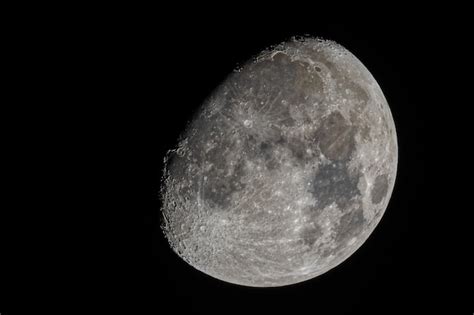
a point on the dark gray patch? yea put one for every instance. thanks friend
(326, 252)
(312, 212)
(266, 148)
(365, 132)
(262, 151)
(272, 164)
(350, 225)
(273, 135)
(224, 177)
(251, 146)
(334, 183)
(379, 189)
(336, 137)
(268, 134)
(298, 149)
(219, 187)
(310, 234)
(267, 152)
(356, 93)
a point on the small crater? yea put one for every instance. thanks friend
(379, 189)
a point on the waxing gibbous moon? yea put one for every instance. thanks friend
(285, 170)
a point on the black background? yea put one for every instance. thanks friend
(117, 89)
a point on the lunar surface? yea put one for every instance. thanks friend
(284, 171)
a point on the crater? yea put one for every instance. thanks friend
(310, 234)
(336, 137)
(334, 183)
(379, 189)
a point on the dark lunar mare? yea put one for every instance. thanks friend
(379, 191)
(335, 137)
(334, 183)
(350, 225)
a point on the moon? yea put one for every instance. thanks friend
(284, 171)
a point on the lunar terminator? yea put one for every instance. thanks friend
(285, 170)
